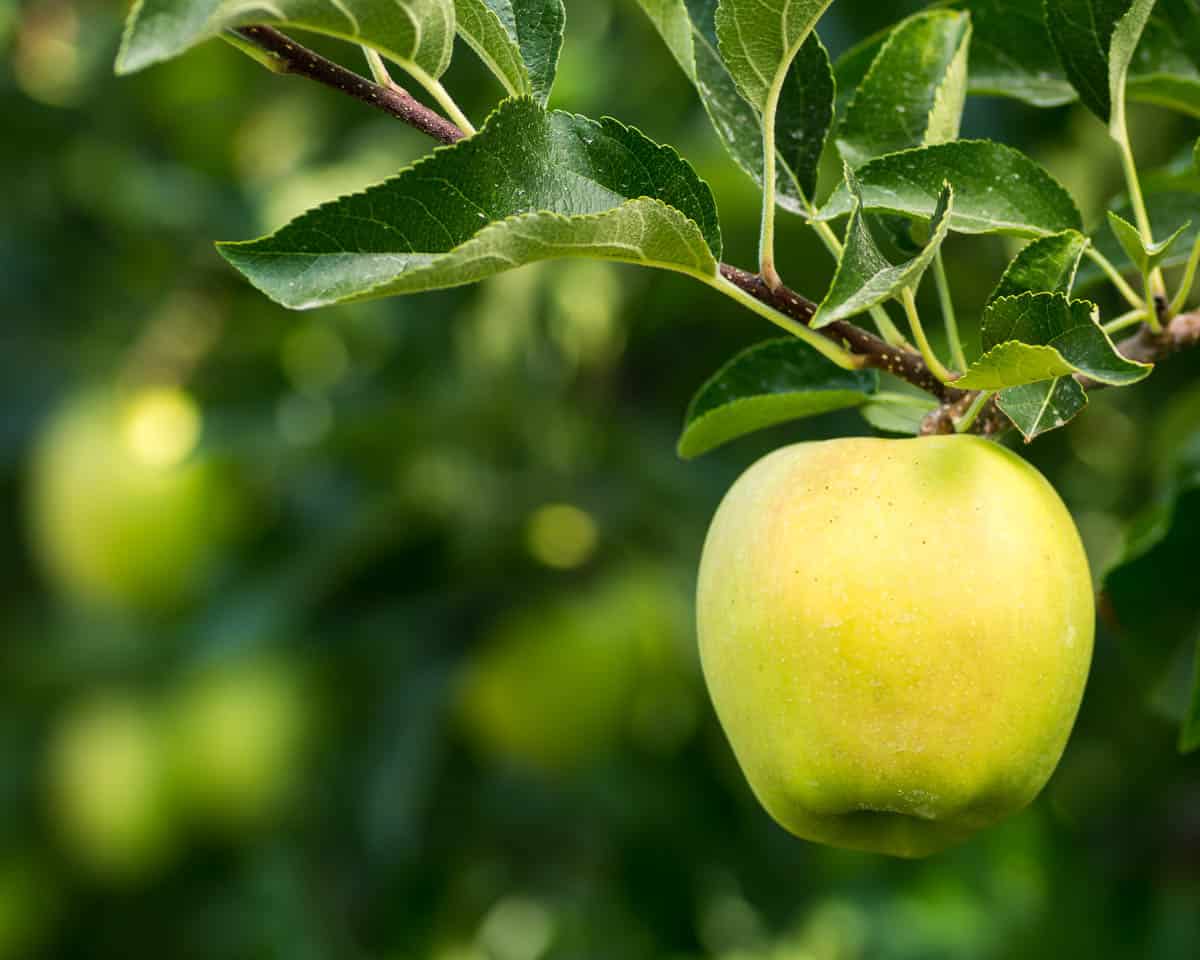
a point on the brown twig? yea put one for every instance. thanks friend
(1146, 346)
(290, 57)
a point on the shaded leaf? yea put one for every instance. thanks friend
(914, 92)
(1151, 591)
(1011, 55)
(417, 34)
(1096, 41)
(769, 384)
(865, 277)
(518, 40)
(532, 185)
(996, 189)
(805, 107)
(1044, 336)
(900, 413)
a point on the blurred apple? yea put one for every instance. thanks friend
(108, 790)
(557, 685)
(126, 511)
(238, 735)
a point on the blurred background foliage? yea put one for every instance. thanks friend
(367, 633)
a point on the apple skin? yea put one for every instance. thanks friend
(896, 635)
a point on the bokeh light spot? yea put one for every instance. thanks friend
(562, 536)
(161, 427)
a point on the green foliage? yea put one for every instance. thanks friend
(411, 459)
(758, 40)
(1147, 257)
(519, 40)
(1151, 594)
(530, 186)
(996, 189)
(1096, 41)
(769, 384)
(417, 34)
(1044, 336)
(805, 105)
(865, 277)
(914, 92)
(1048, 264)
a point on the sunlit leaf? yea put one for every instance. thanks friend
(1047, 265)
(519, 40)
(996, 189)
(914, 92)
(805, 111)
(1146, 257)
(417, 34)
(1044, 336)
(532, 185)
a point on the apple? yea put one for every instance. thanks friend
(126, 511)
(896, 635)
(238, 736)
(107, 788)
(557, 685)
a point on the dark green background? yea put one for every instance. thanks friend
(391, 545)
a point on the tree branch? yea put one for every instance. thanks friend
(290, 57)
(1146, 346)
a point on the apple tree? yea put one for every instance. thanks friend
(866, 151)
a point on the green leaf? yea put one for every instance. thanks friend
(1172, 201)
(1037, 408)
(1044, 336)
(1151, 591)
(518, 40)
(759, 39)
(914, 92)
(802, 125)
(865, 277)
(1096, 41)
(901, 413)
(1011, 55)
(1166, 68)
(805, 107)
(1146, 257)
(1047, 265)
(769, 384)
(532, 185)
(417, 34)
(996, 189)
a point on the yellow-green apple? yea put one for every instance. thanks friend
(126, 511)
(896, 635)
(560, 684)
(107, 788)
(239, 735)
